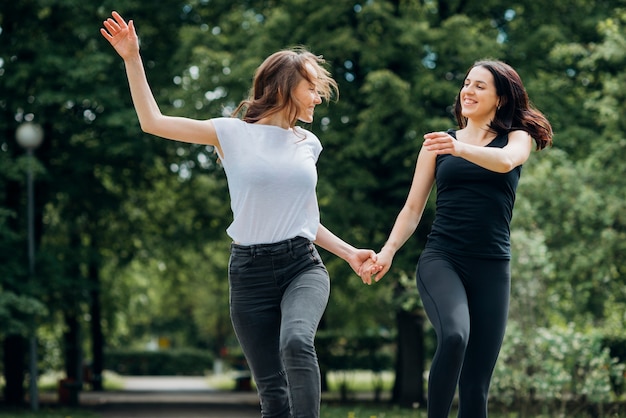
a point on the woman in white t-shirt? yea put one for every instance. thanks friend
(279, 286)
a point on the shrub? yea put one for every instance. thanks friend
(555, 366)
(189, 362)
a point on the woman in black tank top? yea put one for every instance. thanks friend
(463, 273)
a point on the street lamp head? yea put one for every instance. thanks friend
(29, 135)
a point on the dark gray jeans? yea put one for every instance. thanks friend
(278, 294)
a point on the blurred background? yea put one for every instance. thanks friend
(113, 251)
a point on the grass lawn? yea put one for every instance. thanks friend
(357, 402)
(328, 411)
(369, 411)
(47, 413)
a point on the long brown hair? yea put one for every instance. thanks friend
(277, 77)
(515, 111)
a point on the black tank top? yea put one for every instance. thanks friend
(474, 207)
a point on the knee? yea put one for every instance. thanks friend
(295, 344)
(455, 341)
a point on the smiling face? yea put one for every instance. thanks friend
(306, 96)
(478, 96)
(287, 86)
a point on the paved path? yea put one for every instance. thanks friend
(170, 397)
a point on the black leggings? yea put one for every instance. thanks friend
(467, 301)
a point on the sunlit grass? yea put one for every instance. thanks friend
(360, 380)
(369, 411)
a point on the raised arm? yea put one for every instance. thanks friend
(500, 160)
(123, 37)
(411, 213)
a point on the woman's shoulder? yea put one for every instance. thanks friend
(451, 132)
(303, 132)
(227, 121)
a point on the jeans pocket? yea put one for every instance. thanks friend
(314, 254)
(238, 265)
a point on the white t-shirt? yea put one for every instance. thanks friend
(272, 179)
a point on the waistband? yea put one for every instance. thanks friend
(280, 247)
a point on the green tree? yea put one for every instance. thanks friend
(131, 229)
(54, 73)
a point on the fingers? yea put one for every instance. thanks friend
(369, 266)
(367, 273)
(431, 135)
(106, 34)
(367, 279)
(119, 19)
(114, 26)
(439, 143)
(364, 274)
(381, 274)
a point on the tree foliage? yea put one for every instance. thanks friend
(141, 221)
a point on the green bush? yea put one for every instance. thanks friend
(617, 349)
(189, 362)
(560, 367)
(358, 352)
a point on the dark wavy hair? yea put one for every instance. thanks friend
(275, 80)
(515, 112)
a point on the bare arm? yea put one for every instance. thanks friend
(123, 38)
(411, 214)
(353, 256)
(500, 160)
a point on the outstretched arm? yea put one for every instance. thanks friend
(353, 256)
(410, 215)
(123, 37)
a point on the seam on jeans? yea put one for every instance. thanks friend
(312, 253)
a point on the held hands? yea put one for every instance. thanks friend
(376, 267)
(362, 258)
(121, 36)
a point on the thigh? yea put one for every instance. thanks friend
(443, 294)
(255, 312)
(304, 301)
(489, 288)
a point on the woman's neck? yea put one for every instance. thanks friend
(277, 119)
(478, 134)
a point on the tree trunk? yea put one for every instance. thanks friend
(97, 338)
(408, 388)
(14, 349)
(71, 339)
(70, 386)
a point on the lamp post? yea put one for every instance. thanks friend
(29, 136)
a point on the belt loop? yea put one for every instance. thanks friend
(253, 251)
(291, 246)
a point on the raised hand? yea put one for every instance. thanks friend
(121, 36)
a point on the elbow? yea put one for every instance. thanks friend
(146, 128)
(505, 166)
(149, 125)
